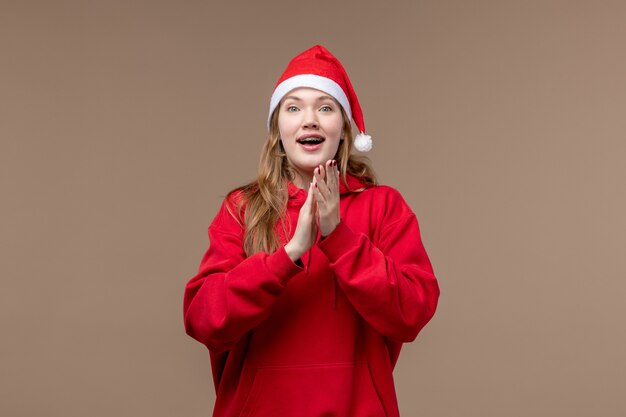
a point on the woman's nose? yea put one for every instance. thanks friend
(310, 120)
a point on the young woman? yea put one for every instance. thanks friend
(315, 275)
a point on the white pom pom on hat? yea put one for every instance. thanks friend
(318, 68)
(363, 142)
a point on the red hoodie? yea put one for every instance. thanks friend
(321, 339)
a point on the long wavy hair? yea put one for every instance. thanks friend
(265, 198)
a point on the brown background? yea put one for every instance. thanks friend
(123, 123)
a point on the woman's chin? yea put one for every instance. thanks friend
(306, 166)
(309, 166)
(311, 163)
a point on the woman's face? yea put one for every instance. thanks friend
(310, 125)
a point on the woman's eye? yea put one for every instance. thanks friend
(326, 108)
(292, 108)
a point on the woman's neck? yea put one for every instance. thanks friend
(302, 179)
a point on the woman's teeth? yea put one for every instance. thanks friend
(310, 141)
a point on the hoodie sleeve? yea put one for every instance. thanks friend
(391, 283)
(231, 294)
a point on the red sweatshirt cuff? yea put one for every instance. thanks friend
(335, 244)
(282, 266)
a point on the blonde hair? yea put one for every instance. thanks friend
(265, 199)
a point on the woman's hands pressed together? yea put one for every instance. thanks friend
(306, 229)
(321, 209)
(326, 182)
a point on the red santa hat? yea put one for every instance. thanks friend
(317, 68)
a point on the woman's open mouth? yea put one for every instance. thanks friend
(311, 143)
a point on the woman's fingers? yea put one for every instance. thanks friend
(322, 170)
(327, 196)
(306, 230)
(311, 200)
(332, 175)
(322, 175)
(326, 183)
(311, 205)
(319, 184)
